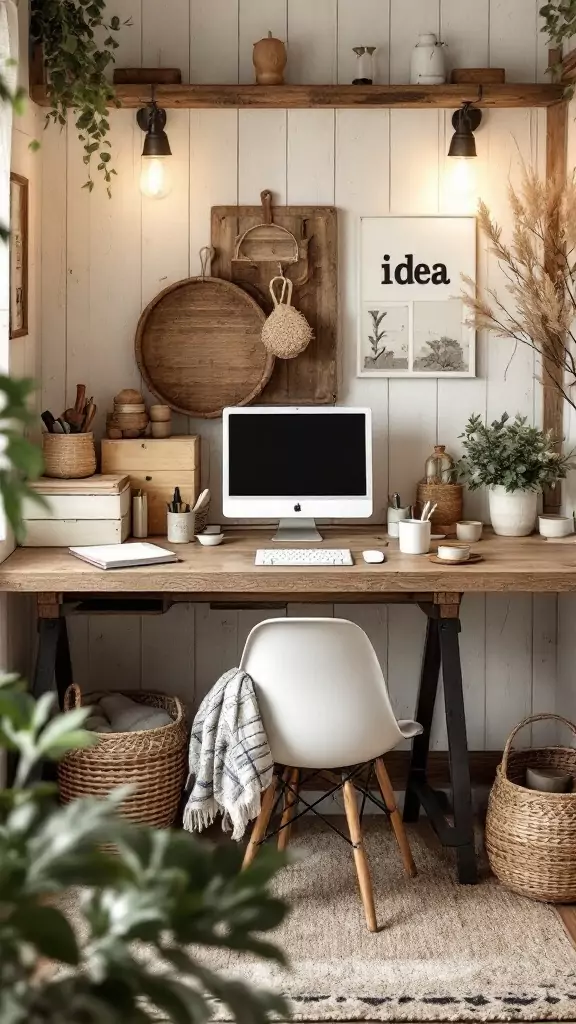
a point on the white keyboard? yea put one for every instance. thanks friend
(304, 556)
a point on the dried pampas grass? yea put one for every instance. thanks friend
(539, 264)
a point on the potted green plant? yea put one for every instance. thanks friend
(514, 461)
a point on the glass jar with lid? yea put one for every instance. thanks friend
(439, 466)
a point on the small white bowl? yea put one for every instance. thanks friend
(454, 552)
(210, 540)
(469, 530)
(555, 526)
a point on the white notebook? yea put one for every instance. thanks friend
(119, 556)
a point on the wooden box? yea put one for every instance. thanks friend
(157, 466)
(95, 510)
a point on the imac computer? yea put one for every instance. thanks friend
(296, 465)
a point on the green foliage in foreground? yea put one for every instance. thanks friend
(160, 893)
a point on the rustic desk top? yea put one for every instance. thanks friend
(529, 564)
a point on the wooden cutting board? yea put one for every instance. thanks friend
(199, 347)
(310, 378)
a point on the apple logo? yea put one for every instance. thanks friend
(298, 507)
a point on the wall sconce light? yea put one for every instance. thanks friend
(465, 122)
(155, 176)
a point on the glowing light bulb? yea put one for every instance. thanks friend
(462, 183)
(155, 177)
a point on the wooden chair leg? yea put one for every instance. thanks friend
(395, 817)
(362, 869)
(291, 776)
(261, 824)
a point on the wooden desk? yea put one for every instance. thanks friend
(65, 585)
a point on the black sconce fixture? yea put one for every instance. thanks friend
(154, 180)
(465, 122)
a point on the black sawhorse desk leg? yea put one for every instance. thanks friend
(442, 649)
(53, 665)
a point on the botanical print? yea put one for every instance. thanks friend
(440, 338)
(385, 337)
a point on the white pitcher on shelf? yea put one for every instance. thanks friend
(428, 66)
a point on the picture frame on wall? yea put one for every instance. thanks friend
(411, 316)
(18, 256)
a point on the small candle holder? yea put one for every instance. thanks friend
(364, 65)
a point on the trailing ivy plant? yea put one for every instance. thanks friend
(511, 454)
(75, 66)
(559, 25)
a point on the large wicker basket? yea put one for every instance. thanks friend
(152, 760)
(531, 836)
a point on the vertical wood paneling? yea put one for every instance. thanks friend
(129, 38)
(214, 41)
(464, 29)
(566, 688)
(53, 272)
(312, 41)
(409, 18)
(166, 222)
(256, 19)
(508, 665)
(513, 38)
(216, 647)
(168, 652)
(115, 655)
(166, 35)
(78, 220)
(544, 665)
(362, 187)
(364, 23)
(261, 155)
(310, 171)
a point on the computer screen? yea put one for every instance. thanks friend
(312, 462)
(305, 455)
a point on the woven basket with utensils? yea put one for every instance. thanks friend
(153, 761)
(530, 835)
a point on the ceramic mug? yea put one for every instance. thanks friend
(414, 535)
(469, 530)
(394, 516)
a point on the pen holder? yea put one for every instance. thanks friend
(415, 536)
(180, 527)
(394, 516)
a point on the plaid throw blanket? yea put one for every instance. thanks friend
(230, 760)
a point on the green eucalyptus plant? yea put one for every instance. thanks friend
(159, 894)
(511, 454)
(76, 63)
(20, 459)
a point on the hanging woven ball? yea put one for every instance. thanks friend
(286, 332)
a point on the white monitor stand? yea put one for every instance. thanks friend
(297, 530)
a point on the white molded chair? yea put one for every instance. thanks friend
(324, 705)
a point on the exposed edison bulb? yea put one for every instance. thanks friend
(155, 177)
(462, 182)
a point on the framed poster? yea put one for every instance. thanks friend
(411, 318)
(18, 256)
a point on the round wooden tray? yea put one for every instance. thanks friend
(474, 557)
(199, 347)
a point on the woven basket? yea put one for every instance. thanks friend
(286, 332)
(531, 836)
(448, 498)
(69, 456)
(152, 760)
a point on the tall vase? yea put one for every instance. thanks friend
(512, 513)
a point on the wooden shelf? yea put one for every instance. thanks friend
(449, 97)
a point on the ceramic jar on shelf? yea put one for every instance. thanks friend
(428, 65)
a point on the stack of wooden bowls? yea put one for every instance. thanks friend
(129, 418)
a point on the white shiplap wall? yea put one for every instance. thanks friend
(104, 260)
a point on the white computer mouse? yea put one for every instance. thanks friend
(373, 556)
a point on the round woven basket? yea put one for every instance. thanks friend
(531, 836)
(286, 332)
(69, 456)
(449, 501)
(152, 760)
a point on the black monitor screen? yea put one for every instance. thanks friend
(297, 455)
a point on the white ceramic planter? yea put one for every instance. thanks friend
(512, 513)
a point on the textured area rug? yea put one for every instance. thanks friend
(444, 952)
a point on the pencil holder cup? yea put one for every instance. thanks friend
(394, 517)
(415, 535)
(180, 527)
